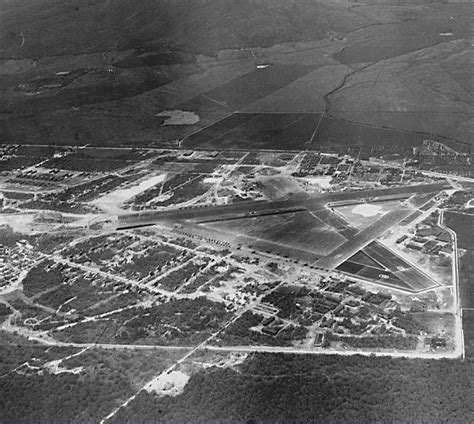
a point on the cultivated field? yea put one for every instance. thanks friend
(279, 131)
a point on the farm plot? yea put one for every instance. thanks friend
(258, 84)
(449, 127)
(94, 161)
(400, 38)
(205, 110)
(305, 94)
(339, 135)
(276, 131)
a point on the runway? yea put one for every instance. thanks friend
(248, 209)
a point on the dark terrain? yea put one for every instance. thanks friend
(98, 72)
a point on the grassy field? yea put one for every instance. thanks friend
(305, 94)
(339, 135)
(360, 221)
(468, 327)
(463, 225)
(447, 126)
(140, 67)
(285, 131)
(300, 230)
(370, 45)
(260, 83)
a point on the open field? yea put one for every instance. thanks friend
(250, 87)
(280, 131)
(397, 39)
(300, 230)
(447, 127)
(304, 95)
(361, 216)
(463, 225)
(333, 219)
(468, 327)
(278, 187)
(62, 88)
(95, 160)
(338, 135)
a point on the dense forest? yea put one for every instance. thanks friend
(31, 393)
(277, 388)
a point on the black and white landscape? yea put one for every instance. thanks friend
(236, 211)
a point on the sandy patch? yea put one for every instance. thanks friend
(323, 182)
(54, 367)
(111, 202)
(212, 180)
(367, 210)
(21, 223)
(171, 384)
(179, 117)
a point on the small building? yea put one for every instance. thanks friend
(271, 331)
(318, 341)
(268, 320)
(402, 239)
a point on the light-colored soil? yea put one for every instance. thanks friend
(111, 202)
(179, 117)
(171, 384)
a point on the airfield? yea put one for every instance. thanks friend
(337, 251)
(205, 198)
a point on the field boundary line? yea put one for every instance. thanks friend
(314, 132)
(222, 134)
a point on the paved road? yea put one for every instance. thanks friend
(363, 238)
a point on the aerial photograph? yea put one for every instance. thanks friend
(236, 211)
